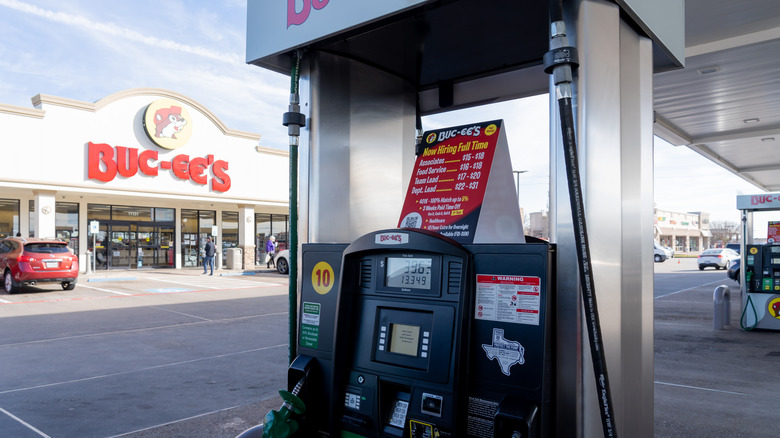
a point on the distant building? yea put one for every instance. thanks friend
(539, 225)
(685, 232)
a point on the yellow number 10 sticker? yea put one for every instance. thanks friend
(322, 278)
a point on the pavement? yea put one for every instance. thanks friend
(229, 422)
(708, 382)
(134, 274)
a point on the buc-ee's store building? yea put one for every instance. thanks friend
(154, 170)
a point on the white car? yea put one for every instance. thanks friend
(662, 253)
(282, 261)
(719, 258)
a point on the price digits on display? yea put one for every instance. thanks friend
(411, 273)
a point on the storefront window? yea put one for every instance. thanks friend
(229, 233)
(164, 214)
(267, 225)
(131, 213)
(9, 217)
(279, 229)
(132, 237)
(694, 243)
(680, 244)
(196, 226)
(31, 218)
(66, 224)
(189, 237)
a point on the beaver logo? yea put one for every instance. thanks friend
(774, 307)
(167, 123)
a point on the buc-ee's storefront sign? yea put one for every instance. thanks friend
(126, 162)
(168, 125)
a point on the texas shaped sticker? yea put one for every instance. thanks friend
(506, 352)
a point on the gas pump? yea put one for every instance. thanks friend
(430, 338)
(439, 328)
(762, 285)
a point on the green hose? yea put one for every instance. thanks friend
(293, 128)
(744, 311)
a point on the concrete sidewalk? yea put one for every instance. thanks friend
(134, 274)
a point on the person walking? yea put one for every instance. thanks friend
(209, 250)
(270, 249)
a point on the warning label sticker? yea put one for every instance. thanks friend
(310, 325)
(508, 298)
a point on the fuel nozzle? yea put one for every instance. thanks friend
(279, 424)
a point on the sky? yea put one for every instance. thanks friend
(89, 49)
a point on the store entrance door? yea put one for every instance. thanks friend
(136, 245)
(121, 246)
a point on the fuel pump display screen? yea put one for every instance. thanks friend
(404, 339)
(411, 273)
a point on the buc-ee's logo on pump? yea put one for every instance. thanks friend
(168, 125)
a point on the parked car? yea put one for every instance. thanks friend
(282, 260)
(719, 258)
(662, 253)
(733, 269)
(733, 246)
(31, 261)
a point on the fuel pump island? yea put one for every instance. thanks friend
(760, 277)
(428, 330)
(443, 320)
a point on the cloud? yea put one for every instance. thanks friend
(116, 30)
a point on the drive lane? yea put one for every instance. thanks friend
(99, 364)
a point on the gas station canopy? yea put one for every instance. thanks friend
(455, 53)
(725, 103)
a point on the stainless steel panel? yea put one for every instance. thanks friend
(613, 95)
(360, 149)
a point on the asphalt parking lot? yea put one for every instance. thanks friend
(710, 383)
(158, 354)
(143, 354)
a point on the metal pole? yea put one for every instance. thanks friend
(294, 120)
(559, 62)
(517, 177)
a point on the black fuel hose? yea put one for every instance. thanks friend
(559, 62)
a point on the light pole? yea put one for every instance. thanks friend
(517, 177)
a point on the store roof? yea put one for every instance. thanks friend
(725, 103)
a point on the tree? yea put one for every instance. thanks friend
(724, 231)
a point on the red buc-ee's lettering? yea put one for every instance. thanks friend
(105, 161)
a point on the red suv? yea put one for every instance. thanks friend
(30, 261)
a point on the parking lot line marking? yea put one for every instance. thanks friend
(144, 294)
(24, 423)
(139, 370)
(168, 290)
(182, 314)
(105, 290)
(113, 279)
(687, 289)
(5, 301)
(185, 283)
(177, 421)
(145, 329)
(699, 388)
